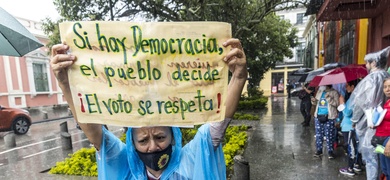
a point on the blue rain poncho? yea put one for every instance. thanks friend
(196, 160)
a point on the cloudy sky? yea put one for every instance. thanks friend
(30, 9)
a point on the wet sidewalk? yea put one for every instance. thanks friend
(280, 148)
(49, 113)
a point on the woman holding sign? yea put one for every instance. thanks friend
(156, 152)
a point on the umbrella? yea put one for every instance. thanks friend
(310, 75)
(15, 39)
(296, 75)
(339, 75)
(300, 71)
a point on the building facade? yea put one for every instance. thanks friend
(275, 80)
(369, 14)
(310, 35)
(28, 82)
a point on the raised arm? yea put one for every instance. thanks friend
(236, 61)
(60, 63)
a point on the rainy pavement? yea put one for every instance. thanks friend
(39, 150)
(278, 148)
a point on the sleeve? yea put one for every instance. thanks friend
(112, 158)
(200, 160)
(347, 112)
(217, 131)
(333, 100)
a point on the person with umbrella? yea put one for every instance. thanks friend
(367, 95)
(326, 100)
(305, 95)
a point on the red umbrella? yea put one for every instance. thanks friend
(339, 75)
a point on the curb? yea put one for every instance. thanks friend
(48, 120)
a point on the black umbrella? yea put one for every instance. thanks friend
(15, 39)
(301, 71)
(310, 75)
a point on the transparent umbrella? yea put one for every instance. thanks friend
(15, 39)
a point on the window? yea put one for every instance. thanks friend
(330, 39)
(300, 50)
(300, 18)
(40, 77)
(38, 69)
(347, 42)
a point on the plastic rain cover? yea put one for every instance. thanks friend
(367, 95)
(196, 160)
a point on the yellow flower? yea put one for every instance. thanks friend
(163, 161)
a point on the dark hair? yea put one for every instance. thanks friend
(353, 82)
(386, 79)
(329, 86)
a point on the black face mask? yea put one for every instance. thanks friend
(156, 160)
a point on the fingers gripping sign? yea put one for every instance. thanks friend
(236, 58)
(60, 62)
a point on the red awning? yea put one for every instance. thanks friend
(334, 10)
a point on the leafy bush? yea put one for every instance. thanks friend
(235, 140)
(82, 162)
(254, 92)
(252, 104)
(188, 134)
(242, 116)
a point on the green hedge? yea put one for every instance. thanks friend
(244, 116)
(82, 162)
(252, 104)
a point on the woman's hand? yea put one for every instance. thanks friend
(236, 59)
(60, 63)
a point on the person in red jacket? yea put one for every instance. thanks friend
(382, 133)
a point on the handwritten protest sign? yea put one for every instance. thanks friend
(148, 74)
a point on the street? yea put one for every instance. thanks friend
(36, 151)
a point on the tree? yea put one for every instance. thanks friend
(265, 37)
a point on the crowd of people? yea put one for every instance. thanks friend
(349, 110)
(156, 152)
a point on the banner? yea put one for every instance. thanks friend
(148, 74)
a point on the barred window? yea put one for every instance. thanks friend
(330, 36)
(40, 77)
(301, 18)
(38, 70)
(347, 42)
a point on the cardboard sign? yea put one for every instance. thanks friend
(148, 74)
